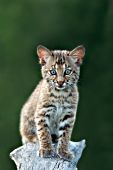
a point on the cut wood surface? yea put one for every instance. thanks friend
(26, 158)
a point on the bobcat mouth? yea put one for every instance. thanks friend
(60, 87)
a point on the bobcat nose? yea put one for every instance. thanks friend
(60, 83)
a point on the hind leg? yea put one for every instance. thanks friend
(26, 137)
(27, 129)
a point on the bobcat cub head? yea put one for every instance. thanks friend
(61, 68)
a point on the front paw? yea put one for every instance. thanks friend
(66, 155)
(46, 153)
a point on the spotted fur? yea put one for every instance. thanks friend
(49, 114)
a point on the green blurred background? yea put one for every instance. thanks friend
(58, 24)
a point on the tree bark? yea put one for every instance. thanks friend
(26, 158)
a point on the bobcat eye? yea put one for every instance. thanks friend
(67, 72)
(53, 72)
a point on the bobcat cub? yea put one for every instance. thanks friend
(49, 114)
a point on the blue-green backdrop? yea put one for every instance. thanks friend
(58, 24)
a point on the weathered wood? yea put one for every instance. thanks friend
(26, 158)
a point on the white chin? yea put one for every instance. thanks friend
(60, 88)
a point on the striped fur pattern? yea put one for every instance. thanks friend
(49, 114)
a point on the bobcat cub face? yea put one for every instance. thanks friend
(61, 67)
(60, 75)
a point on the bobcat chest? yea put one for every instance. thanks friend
(58, 111)
(55, 117)
(59, 108)
(61, 101)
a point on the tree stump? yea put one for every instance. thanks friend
(26, 158)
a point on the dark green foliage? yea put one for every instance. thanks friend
(58, 24)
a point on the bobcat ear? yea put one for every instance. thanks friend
(43, 54)
(78, 54)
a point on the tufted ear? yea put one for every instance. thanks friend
(78, 54)
(43, 54)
